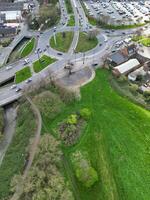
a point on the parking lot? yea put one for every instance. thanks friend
(118, 13)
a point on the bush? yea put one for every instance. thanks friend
(146, 93)
(85, 113)
(122, 79)
(87, 175)
(133, 88)
(72, 119)
(49, 104)
(84, 172)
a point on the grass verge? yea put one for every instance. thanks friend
(23, 74)
(42, 63)
(63, 41)
(28, 48)
(85, 44)
(14, 160)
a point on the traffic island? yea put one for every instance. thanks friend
(61, 41)
(42, 63)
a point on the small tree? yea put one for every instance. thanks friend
(85, 113)
(133, 88)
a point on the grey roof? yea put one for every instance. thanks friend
(118, 58)
(4, 6)
(6, 30)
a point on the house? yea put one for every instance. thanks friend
(129, 50)
(116, 59)
(12, 11)
(126, 67)
(7, 31)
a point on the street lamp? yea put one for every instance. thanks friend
(83, 57)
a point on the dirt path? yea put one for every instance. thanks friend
(32, 150)
(10, 114)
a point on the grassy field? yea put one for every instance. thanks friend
(42, 63)
(71, 21)
(62, 42)
(14, 160)
(85, 44)
(23, 74)
(117, 140)
(28, 48)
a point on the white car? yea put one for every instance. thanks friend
(9, 67)
(13, 86)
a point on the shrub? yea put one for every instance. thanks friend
(122, 79)
(49, 104)
(84, 172)
(133, 88)
(72, 119)
(85, 113)
(146, 93)
(87, 175)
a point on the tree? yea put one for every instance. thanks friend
(92, 34)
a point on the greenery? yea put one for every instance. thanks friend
(49, 104)
(15, 157)
(72, 119)
(71, 21)
(48, 16)
(85, 113)
(1, 121)
(144, 40)
(85, 43)
(116, 140)
(69, 6)
(23, 74)
(28, 48)
(83, 169)
(117, 27)
(5, 42)
(63, 41)
(45, 180)
(42, 63)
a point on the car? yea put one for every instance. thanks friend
(18, 89)
(60, 54)
(94, 64)
(9, 67)
(100, 44)
(28, 80)
(26, 61)
(13, 86)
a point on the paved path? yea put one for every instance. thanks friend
(10, 114)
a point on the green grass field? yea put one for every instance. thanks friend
(117, 140)
(23, 74)
(71, 21)
(42, 63)
(28, 48)
(62, 42)
(84, 44)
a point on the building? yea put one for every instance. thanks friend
(126, 67)
(12, 11)
(7, 31)
(116, 59)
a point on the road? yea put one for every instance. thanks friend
(96, 55)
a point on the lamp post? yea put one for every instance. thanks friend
(83, 58)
